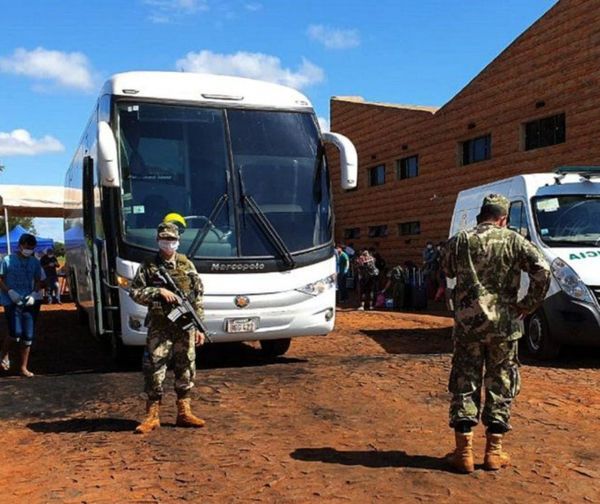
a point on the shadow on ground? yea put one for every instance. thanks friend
(83, 425)
(64, 346)
(374, 459)
(569, 358)
(412, 341)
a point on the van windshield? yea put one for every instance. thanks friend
(568, 220)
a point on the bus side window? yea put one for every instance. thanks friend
(517, 219)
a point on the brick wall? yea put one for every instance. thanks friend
(556, 61)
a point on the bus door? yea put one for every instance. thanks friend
(93, 301)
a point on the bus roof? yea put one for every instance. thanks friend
(205, 88)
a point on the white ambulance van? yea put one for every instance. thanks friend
(560, 213)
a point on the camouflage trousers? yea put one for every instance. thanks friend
(162, 346)
(492, 363)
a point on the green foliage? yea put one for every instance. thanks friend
(59, 249)
(26, 222)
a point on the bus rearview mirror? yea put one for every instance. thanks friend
(107, 156)
(348, 158)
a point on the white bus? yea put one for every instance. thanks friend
(244, 162)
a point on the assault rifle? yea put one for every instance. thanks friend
(184, 314)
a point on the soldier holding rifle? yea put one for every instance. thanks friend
(167, 336)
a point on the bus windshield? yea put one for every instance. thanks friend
(568, 221)
(201, 162)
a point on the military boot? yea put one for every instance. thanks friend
(185, 417)
(152, 420)
(461, 458)
(495, 458)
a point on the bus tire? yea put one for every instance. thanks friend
(275, 347)
(538, 338)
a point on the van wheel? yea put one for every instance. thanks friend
(275, 347)
(537, 338)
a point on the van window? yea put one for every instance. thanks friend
(568, 220)
(517, 218)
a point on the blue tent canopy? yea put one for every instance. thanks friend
(15, 234)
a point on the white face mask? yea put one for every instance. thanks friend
(168, 245)
(26, 252)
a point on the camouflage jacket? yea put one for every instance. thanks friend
(487, 262)
(147, 283)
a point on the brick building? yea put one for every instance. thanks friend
(533, 108)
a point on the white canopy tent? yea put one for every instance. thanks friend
(31, 201)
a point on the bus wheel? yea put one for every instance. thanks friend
(275, 347)
(537, 338)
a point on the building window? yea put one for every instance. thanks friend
(545, 132)
(378, 231)
(407, 167)
(476, 149)
(377, 175)
(351, 233)
(409, 228)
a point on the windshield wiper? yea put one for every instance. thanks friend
(265, 224)
(208, 225)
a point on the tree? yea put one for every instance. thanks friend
(59, 249)
(26, 222)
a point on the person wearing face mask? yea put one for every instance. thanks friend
(166, 340)
(20, 284)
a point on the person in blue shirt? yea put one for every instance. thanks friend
(20, 294)
(343, 266)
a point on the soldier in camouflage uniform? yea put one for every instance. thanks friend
(165, 339)
(487, 262)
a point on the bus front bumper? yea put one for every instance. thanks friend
(278, 315)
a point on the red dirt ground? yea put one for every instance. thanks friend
(357, 416)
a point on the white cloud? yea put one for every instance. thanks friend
(19, 142)
(70, 70)
(166, 11)
(334, 38)
(323, 123)
(252, 65)
(253, 6)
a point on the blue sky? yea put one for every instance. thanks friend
(54, 57)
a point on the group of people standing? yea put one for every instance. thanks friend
(368, 266)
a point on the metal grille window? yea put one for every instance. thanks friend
(409, 228)
(407, 167)
(377, 175)
(545, 132)
(378, 231)
(351, 233)
(476, 149)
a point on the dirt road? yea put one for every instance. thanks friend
(358, 416)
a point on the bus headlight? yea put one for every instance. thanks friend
(123, 282)
(570, 282)
(318, 287)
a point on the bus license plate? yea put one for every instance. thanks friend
(242, 325)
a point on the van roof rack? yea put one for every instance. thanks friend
(586, 172)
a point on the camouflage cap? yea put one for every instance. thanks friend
(167, 230)
(496, 200)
